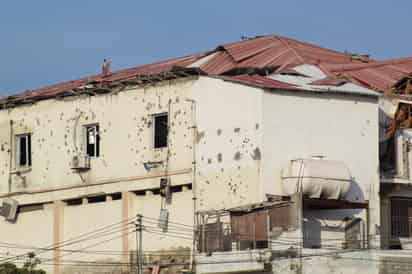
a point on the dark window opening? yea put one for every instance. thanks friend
(160, 130)
(74, 202)
(92, 141)
(401, 215)
(140, 192)
(30, 207)
(116, 196)
(96, 199)
(156, 191)
(24, 150)
(176, 188)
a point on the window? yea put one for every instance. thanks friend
(23, 150)
(92, 140)
(401, 215)
(160, 130)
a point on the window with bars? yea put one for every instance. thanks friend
(401, 217)
(23, 150)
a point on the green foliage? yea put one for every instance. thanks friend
(29, 266)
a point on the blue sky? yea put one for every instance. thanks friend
(47, 41)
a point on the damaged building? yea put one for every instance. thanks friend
(258, 156)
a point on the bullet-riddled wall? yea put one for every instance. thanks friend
(229, 143)
(126, 133)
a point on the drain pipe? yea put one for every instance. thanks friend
(194, 197)
(10, 154)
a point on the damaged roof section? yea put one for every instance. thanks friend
(97, 84)
(379, 75)
(272, 62)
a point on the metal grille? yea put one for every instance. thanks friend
(401, 216)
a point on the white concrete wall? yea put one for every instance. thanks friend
(125, 129)
(32, 229)
(343, 128)
(229, 118)
(244, 138)
(126, 143)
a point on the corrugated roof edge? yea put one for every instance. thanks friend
(288, 87)
(102, 86)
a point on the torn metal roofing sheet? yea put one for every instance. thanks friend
(380, 75)
(274, 54)
(60, 88)
(259, 81)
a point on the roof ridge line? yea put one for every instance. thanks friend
(290, 48)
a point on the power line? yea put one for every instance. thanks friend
(72, 240)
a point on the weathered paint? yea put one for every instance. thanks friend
(343, 128)
(227, 115)
(244, 137)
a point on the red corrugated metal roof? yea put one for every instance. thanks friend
(271, 51)
(379, 75)
(260, 81)
(261, 52)
(155, 68)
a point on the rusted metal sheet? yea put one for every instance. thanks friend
(260, 52)
(281, 217)
(150, 69)
(380, 75)
(280, 51)
(220, 63)
(211, 237)
(250, 226)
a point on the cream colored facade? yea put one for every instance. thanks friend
(244, 137)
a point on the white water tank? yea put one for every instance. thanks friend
(317, 178)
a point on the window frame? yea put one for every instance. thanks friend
(401, 222)
(28, 147)
(154, 117)
(96, 145)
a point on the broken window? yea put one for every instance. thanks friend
(23, 150)
(160, 130)
(92, 140)
(401, 215)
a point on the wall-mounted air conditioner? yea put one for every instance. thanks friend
(8, 209)
(403, 153)
(80, 162)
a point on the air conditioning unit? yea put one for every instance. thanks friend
(9, 209)
(80, 162)
(403, 153)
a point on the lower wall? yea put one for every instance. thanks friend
(253, 261)
(107, 233)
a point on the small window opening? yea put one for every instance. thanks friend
(96, 199)
(74, 202)
(160, 130)
(30, 207)
(140, 192)
(23, 146)
(116, 196)
(92, 140)
(177, 188)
